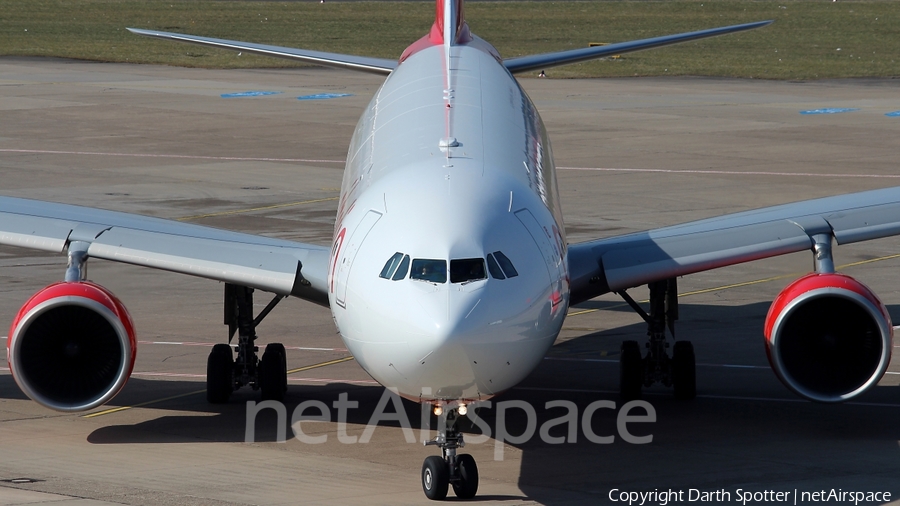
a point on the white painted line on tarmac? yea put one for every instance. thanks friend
(332, 380)
(144, 155)
(570, 390)
(610, 361)
(731, 172)
(729, 366)
(175, 343)
(188, 343)
(302, 348)
(307, 380)
(309, 160)
(169, 374)
(722, 397)
(567, 359)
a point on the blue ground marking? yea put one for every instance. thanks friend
(829, 110)
(250, 94)
(892, 114)
(324, 96)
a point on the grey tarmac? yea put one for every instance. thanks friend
(632, 154)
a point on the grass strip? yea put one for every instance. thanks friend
(809, 40)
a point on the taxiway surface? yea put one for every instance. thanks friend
(632, 154)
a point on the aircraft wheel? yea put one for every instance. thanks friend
(631, 371)
(273, 373)
(435, 478)
(219, 374)
(684, 370)
(467, 486)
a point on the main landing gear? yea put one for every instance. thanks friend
(677, 371)
(460, 471)
(225, 373)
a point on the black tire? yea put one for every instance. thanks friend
(219, 374)
(684, 371)
(273, 373)
(467, 486)
(631, 371)
(435, 478)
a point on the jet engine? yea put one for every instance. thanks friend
(72, 346)
(828, 337)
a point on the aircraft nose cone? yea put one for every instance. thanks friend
(451, 331)
(449, 316)
(455, 341)
(482, 354)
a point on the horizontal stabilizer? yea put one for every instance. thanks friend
(547, 60)
(344, 61)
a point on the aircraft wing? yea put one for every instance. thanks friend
(616, 263)
(344, 61)
(547, 60)
(274, 265)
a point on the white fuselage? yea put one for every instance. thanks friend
(449, 165)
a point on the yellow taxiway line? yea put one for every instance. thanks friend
(323, 364)
(123, 408)
(252, 209)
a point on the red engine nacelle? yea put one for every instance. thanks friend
(72, 346)
(828, 337)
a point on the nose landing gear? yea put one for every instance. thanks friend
(460, 471)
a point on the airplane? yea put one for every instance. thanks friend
(449, 275)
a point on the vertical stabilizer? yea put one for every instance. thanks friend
(449, 23)
(449, 28)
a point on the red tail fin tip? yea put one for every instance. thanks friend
(436, 34)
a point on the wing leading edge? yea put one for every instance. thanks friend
(345, 61)
(547, 60)
(274, 265)
(600, 266)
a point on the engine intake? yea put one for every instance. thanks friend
(72, 346)
(828, 337)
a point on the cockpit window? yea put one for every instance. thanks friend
(506, 265)
(402, 270)
(467, 269)
(494, 269)
(462, 270)
(434, 271)
(396, 267)
(391, 266)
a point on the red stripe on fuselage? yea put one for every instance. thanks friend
(336, 252)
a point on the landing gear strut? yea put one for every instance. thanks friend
(460, 471)
(677, 371)
(225, 373)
